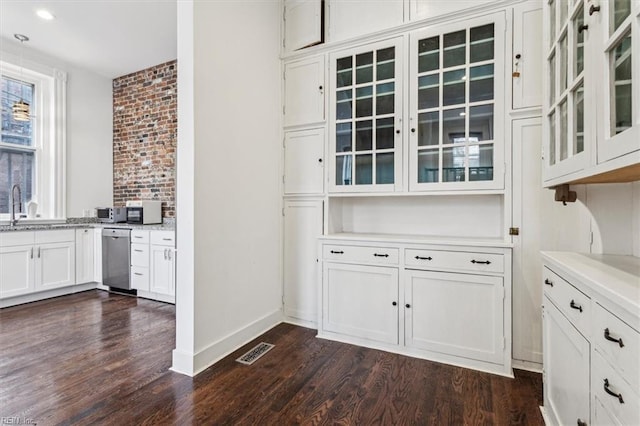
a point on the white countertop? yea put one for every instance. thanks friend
(25, 226)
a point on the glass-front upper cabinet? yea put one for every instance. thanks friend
(568, 83)
(366, 118)
(619, 65)
(456, 87)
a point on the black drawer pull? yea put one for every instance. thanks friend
(574, 305)
(607, 336)
(610, 392)
(593, 9)
(548, 282)
(380, 255)
(481, 262)
(336, 252)
(423, 258)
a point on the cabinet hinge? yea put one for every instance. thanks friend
(514, 231)
(591, 238)
(284, 140)
(282, 178)
(283, 113)
(283, 211)
(504, 342)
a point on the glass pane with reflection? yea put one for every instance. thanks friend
(428, 128)
(364, 68)
(428, 165)
(552, 139)
(344, 72)
(429, 91)
(619, 10)
(429, 54)
(453, 130)
(481, 83)
(481, 162)
(364, 169)
(385, 98)
(578, 119)
(344, 104)
(622, 102)
(364, 101)
(384, 168)
(364, 135)
(562, 45)
(481, 43)
(453, 91)
(564, 138)
(453, 164)
(343, 169)
(454, 48)
(343, 137)
(481, 123)
(579, 44)
(385, 63)
(384, 133)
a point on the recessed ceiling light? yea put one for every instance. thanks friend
(45, 14)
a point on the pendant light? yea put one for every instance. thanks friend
(21, 108)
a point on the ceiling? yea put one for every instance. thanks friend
(109, 37)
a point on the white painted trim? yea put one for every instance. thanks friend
(519, 364)
(192, 364)
(301, 323)
(34, 297)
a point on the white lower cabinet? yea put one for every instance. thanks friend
(36, 261)
(591, 339)
(472, 306)
(446, 303)
(361, 301)
(85, 256)
(153, 264)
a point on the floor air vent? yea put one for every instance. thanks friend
(255, 353)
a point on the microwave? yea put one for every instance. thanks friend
(144, 212)
(111, 214)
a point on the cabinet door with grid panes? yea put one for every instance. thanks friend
(569, 81)
(456, 102)
(366, 108)
(618, 23)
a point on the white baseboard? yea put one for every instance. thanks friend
(527, 365)
(192, 364)
(302, 323)
(56, 292)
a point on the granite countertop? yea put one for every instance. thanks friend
(75, 223)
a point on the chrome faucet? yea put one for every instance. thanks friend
(14, 220)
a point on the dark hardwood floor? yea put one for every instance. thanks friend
(99, 358)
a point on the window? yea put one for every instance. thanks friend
(31, 152)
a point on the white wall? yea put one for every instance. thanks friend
(235, 151)
(89, 159)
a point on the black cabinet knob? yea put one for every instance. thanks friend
(320, 87)
(319, 160)
(394, 303)
(413, 130)
(398, 131)
(518, 56)
(407, 305)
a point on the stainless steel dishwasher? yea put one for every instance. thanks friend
(116, 258)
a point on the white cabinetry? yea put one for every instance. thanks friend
(591, 335)
(302, 227)
(447, 303)
(304, 92)
(302, 23)
(140, 260)
(85, 255)
(304, 162)
(349, 18)
(36, 261)
(527, 66)
(425, 9)
(162, 263)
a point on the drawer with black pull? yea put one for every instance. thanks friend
(454, 260)
(613, 392)
(360, 254)
(572, 302)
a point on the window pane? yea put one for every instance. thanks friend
(563, 63)
(564, 142)
(552, 79)
(453, 126)
(16, 132)
(385, 63)
(344, 104)
(384, 168)
(364, 68)
(364, 136)
(343, 137)
(364, 101)
(453, 164)
(620, 9)
(385, 99)
(481, 123)
(16, 168)
(453, 91)
(428, 165)
(481, 43)
(579, 47)
(429, 91)
(384, 133)
(344, 72)
(481, 84)
(552, 139)
(621, 58)
(428, 54)
(481, 162)
(578, 114)
(454, 48)
(428, 128)
(343, 170)
(364, 170)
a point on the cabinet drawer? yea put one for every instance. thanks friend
(140, 255)
(16, 238)
(571, 301)
(163, 238)
(457, 260)
(57, 236)
(618, 343)
(609, 388)
(140, 278)
(358, 254)
(138, 236)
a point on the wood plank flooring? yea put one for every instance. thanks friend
(100, 358)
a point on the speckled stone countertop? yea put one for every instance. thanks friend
(77, 223)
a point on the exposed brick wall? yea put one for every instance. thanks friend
(145, 135)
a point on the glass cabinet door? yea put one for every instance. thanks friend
(456, 106)
(366, 117)
(618, 123)
(566, 139)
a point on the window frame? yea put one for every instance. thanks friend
(49, 133)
